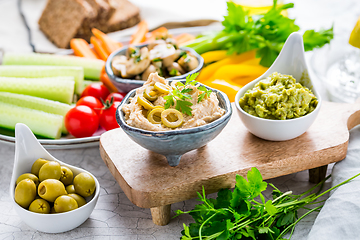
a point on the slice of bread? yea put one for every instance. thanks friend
(125, 16)
(61, 20)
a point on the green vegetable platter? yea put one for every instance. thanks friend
(60, 90)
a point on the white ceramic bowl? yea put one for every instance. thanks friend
(27, 150)
(291, 61)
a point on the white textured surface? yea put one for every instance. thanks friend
(115, 217)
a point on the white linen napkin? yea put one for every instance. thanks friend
(340, 216)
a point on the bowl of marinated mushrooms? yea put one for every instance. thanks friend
(129, 67)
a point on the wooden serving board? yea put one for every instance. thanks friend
(149, 182)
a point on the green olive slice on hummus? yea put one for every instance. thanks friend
(145, 103)
(172, 118)
(163, 88)
(150, 93)
(154, 115)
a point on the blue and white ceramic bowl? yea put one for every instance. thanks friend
(173, 144)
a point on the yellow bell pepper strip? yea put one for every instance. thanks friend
(234, 59)
(214, 56)
(253, 61)
(244, 80)
(238, 70)
(225, 85)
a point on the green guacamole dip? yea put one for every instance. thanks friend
(278, 97)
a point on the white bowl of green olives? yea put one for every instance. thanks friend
(49, 195)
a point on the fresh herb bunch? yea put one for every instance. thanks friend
(237, 215)
(265, 32)
(180, 98)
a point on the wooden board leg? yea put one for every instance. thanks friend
(318, 174)
(161, 215)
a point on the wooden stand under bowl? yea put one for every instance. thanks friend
(149, 182)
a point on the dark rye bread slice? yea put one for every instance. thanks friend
(88, 23)
(61, 20)
(125, 16)
(104, 10)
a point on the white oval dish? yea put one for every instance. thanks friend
(27, 150)
(291, 61)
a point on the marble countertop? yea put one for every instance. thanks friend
(115, 217)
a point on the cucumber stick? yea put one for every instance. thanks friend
(36, 103)
(45, 71)
(92, 67)
(41, 123)
(54, 88)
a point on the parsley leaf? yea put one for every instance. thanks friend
(180, 98)
(206, 92)
(266, 33)
(238, 215)
(190, 79)
(183, 106)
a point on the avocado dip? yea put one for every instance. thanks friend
(278, 97)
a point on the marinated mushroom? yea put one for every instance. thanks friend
(169, 60)
(151, 69)
(138, 62)
(188, 62)
(155, 43)
(175, 69)
(118, 66)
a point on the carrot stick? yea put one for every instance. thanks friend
(81, 48)
(101, 52)
(109, 44)
(104, 78)
(156, 34)
(139, 35)
(183, 38)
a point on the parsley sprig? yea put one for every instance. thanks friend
(238, 215)
(266, 33)
(179, 96)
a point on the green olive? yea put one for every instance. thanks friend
(163, 88)
(50, 170)
(50, 189)
(65, 203)
(52, 210)
(39, 206)
(84, 184)
(35, 168)
(172, 118)
(66, 175)
(70, 189)
(25, 192)
(29, 176)
(150, 93)
(145, 103)
(154, 115)
(79, 199)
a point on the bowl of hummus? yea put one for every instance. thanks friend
(282, 103)
(172, 117)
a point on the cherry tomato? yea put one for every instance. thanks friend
(107, 116)
(118, 97)
(91, 102)
(81, 121)
(97, 90)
